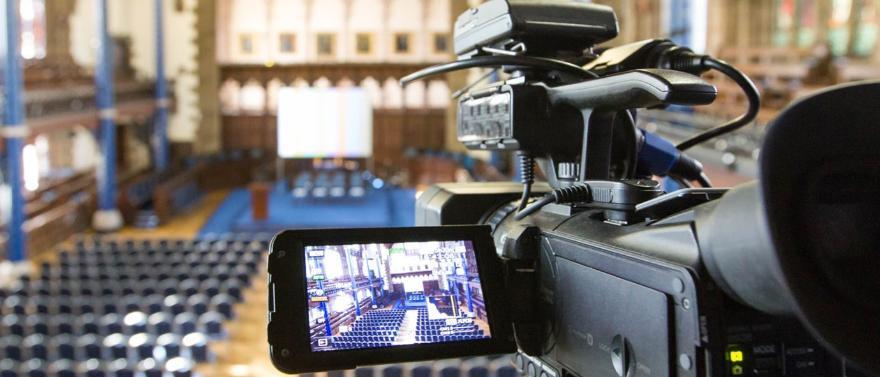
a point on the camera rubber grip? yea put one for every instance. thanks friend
(635, 89)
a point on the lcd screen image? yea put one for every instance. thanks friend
(406, 293)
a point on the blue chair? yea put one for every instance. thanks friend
(62, 368)
(88, 347)
(10, 348)
(421, 371)
(91, 368)
(135, 322)
(142, 345)
(159, 323)
(185, 323)
(197, 346)
(63, 347)
(35, 345)
(478, 371)
(170, 344)
(120, 368)
(34, 368)
(115, 346)
(9, 368)
(212, 324)
(37, 324)
(450, 371)
(150, 368)
(174, 304)
(179, 367)
(14, 324)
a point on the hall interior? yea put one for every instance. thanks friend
(152, 148)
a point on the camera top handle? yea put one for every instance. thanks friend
(599, 99)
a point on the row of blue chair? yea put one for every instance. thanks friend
(469, 331)
(360, 344)
(364, 338)
(373, 327)
(447, 338)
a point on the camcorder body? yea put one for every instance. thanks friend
(598, 271)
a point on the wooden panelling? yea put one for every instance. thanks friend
(175, 194)
(312, 72)
(394, 131)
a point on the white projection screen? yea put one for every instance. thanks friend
(324, 123)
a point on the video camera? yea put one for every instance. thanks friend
(598, 271)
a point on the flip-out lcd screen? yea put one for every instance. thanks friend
(390, 294)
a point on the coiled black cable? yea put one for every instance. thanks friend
(527, 176)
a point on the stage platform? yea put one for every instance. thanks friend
(378, 208)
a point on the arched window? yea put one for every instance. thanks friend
(371, 86)
(300, 83)
(392, 94)
(253, 97)
(323, 83)
(438, 94)
(345, 83)
(229, 93)
(414, 95)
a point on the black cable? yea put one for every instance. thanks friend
(752, 95)
(681, 182)
(704, 180)
(500, 60)
(579, 192)
(527, 177)
(547, 199)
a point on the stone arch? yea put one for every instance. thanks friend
(253, 97)
(345, 82)
(229, 96)
(323, 83)
(300, 82)
(392, 94)
(414, 95)
(438, 94)
(374, 90)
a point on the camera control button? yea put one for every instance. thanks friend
(532, 370)
(622, 356)
(519, 362)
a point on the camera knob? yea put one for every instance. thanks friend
(622, 356)
(568, 170)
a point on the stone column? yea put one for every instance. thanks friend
(209, 133)
(455, 81)
(58, 30)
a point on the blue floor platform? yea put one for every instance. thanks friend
(378, 208)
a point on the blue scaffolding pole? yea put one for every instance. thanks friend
(328, 330)
(370, 278)
(354, 293)
(14, 131)
(160, 126)
(319, 266)
(107, 218)
(467, 283)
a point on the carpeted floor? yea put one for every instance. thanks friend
(379, 208)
